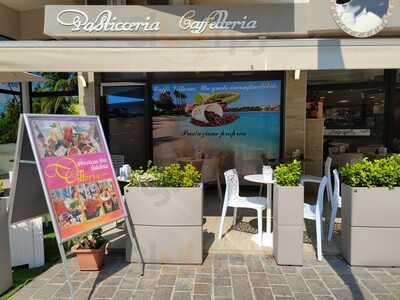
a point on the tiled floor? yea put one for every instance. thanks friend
(222, 276)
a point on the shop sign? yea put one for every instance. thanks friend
(362, 18)
(97, 21)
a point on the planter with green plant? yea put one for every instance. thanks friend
(165, 205)
(288, 214)
(5, 255)
(371, 212)
(90, 251)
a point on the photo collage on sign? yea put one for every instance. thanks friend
(83, 202)
(65, 138)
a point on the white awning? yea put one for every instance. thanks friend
(200, 55)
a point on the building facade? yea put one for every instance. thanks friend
(226, 83)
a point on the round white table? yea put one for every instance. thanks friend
(267, 237)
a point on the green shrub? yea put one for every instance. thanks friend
(173, 175)
(288, 174)
(384, 172)
(2, 188)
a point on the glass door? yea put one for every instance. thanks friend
(124, 121)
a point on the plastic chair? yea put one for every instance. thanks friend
(233, 199)
(314, 212)
(317, 179)
(335, 203)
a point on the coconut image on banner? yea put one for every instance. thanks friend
(76, 171)
(217, 125)
(362, 18)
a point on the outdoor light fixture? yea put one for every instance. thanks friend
(82, 80)
(297, 75)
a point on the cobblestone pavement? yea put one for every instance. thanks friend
(222, 276)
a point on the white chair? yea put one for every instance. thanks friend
(317, 179)
(314, 212)
(233, 199)
(336, 203)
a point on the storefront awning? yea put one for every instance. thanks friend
(199, 55)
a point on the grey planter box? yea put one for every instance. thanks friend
(5, 255)
(168, 224)
(371, 226)
(288, 209)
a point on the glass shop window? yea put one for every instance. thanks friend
(353, 105)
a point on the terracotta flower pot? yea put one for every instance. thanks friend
(90, 259)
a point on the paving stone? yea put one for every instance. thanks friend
(37, 283)
(145, 284)
(25, 293)
(111, 281)
(259, 280)
(162, 293)
(181, 296)
(64, 291)
(204, 270)
(104, 292)
(309, 273)
(277, 279)
(184, 284)
(223, 291)
(222, 272)
(284, 298)
(324, 270)
(272, 270)
(83, 294)
(317, 287)
(143, 295)
(236, 260)
(58, 279)
(288, 269)
(324, 298)
(80, 276)
(123, 295)
(362, 273)
(241, 287)
(394, 288)
(202, 297)
(151, 274)
(90, 283)
(202, 289)
(254, 264)
(203, 278)
(186, 272)
(383, 277)
(296, 283)
(238, 270)
(304, 296)
(154, 267)
(129, 283)
(169, 269)
(46, 291)
(386, 297)
(263, 294)
(167, 280)
(332, 282)
(375, 287)
(281, 290)
(222, 281)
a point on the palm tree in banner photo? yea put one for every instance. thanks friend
(58, 95)
(181, 99)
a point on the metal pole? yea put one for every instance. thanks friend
(134, 243)
(65, 265)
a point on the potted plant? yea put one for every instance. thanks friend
(165, 205)
(90, 251)
(371, 212)
(288, 214)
